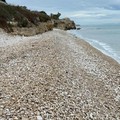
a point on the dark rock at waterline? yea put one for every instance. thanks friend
(78, 27)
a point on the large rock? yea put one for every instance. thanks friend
(64, 24)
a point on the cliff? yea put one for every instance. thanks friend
(20, 20)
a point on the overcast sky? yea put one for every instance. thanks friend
(82, 11)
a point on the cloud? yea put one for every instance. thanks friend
(82, 10)
(68, 5)
(94, 12)
(95, 16)
(114, 7)
(87, 14)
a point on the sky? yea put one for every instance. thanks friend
(83, 12)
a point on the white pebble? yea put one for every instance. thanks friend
(39, 118)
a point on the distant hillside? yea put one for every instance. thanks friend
(19, 18)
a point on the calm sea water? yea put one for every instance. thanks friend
(104, 37)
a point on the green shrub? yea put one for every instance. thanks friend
(23, 23)
(5, 26)
(43, 16)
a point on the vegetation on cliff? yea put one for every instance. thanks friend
(20, 17)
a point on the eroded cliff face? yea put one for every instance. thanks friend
(34, 30)
(63, 24)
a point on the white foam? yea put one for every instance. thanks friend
(106, 49)
(103, 47)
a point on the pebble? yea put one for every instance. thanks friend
(1, 111)
(39, 118)
(24, 118)
(64, 82)
(15, 118)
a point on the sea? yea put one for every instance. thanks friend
(106, 38)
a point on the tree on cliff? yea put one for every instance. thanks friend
(55, 16)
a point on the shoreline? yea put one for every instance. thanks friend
(107, 53)
(18, 39)
(14, 39)
(57, 75)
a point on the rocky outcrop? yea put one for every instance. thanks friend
(64, 24)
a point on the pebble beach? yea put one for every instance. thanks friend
(56, 76)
